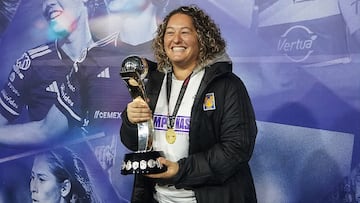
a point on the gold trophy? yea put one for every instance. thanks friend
(133, 72)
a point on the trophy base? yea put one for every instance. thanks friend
(142, 163)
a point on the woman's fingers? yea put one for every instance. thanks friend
(138, 111)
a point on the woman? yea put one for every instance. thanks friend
(210, 131)
(58, 176)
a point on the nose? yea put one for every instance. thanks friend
(33, 185)
(47, 3)
(177, 37)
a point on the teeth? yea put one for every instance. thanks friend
(178, 48)
(54, 14)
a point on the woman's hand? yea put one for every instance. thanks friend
(172, 169)
(138, 111)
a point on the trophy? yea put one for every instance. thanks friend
(144, 161)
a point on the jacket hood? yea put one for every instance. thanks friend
(221, 57)
(216, 65)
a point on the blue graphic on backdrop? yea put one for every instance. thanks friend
(300, 62)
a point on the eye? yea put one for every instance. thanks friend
(169, 32)
(185, 32)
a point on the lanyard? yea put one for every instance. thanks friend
(171, 121)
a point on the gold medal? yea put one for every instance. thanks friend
(170, 136)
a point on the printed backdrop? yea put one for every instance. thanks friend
(300, 61)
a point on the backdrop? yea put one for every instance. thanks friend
(300, 61)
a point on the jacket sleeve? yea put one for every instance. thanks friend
(15, 93)
(128, 133)
(232, 129)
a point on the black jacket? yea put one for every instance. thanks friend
(221, 141)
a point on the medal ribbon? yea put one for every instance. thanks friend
(171, 120)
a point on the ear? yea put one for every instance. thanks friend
(65, 188)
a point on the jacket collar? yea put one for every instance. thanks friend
(220, 65)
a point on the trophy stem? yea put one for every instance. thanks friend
(145, 136)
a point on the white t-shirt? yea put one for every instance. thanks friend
(179, 147)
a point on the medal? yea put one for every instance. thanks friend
(170, 132)
(170, 136)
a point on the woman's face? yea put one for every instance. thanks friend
(43, 185)
(63, 15)
(180, 41)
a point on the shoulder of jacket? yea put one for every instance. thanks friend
(24, 61)
(217, 70)
(41, 50)
(112, 38)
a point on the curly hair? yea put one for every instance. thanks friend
(209, 36)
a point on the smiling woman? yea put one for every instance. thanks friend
(208, 134)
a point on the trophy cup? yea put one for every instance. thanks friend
(144, 161)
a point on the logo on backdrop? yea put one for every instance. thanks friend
(24, 62)
(104, 74)
(13, 89)
(107, 114)
(9, 99)
(297, 43)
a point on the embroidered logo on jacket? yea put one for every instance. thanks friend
(209, 102)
